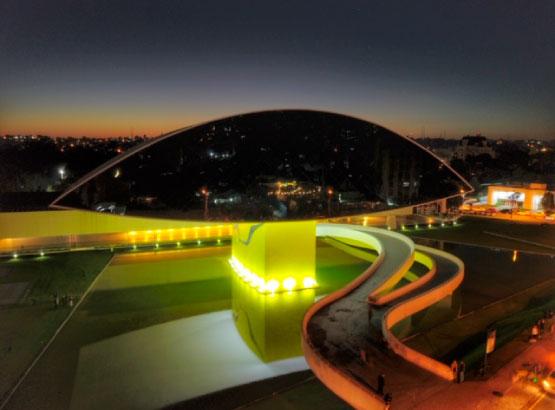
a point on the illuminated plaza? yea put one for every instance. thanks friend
(277, 205)
(236, 254)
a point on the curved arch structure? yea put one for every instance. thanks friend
(269, 165)
(359, 317)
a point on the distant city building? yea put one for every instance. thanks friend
(517, 196)
(472, 146)
(536, 147)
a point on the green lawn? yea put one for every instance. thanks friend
(524, 283)
(464, 339)
(472, 230)
(64, 273)
(28, 324)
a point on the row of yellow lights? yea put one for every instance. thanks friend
(171, 234)
(403, 227)
(178, 244)
(272, 285)
(430, 226)
(15, 255)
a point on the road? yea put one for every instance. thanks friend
(545, 402)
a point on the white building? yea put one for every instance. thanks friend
(472, 146)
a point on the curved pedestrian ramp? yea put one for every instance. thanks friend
(347, 336)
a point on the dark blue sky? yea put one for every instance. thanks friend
(105, 68)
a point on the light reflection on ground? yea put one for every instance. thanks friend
(168, 363)
(227, 337)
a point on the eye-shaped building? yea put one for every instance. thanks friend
(267, 166)
(273, 174)
(268, 179)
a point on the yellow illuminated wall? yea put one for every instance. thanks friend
(74, 222)
(25, 231)
(281, 255)
(269, 323)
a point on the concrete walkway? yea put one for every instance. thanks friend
(349, 334)
(509, 394)
(497, 393)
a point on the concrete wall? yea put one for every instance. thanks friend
(405, 290)
(76, 222)
(28, 232)
(277, 250)
(415, 304)
(339, 381)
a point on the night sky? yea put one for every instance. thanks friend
(109, 68)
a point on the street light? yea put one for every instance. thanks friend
(62, 173)
(204, 191)
(330, 196)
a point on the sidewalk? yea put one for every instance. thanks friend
(499, 391)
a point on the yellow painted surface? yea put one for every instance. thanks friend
(132, 270)
(277, 250)
(76, 222)
(424, 259)
(351, 247)
(268, 323)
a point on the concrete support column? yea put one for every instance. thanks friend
(391, 221)
(281, 254)
(443, 206)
